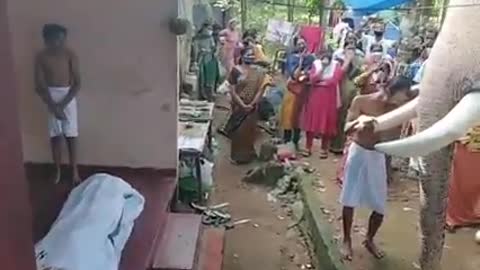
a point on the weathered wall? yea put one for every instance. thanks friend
(16, 244)
(127, 104)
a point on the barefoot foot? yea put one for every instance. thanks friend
(347, 251)
(57, 176)
(373, 249)
(76, 178)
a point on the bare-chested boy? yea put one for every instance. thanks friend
(57, 81)
(365, 172)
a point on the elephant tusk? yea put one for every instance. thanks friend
(453, 126)
(397, 117)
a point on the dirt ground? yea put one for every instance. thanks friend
(266, 243)
(399, 235)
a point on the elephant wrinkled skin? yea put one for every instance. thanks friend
(448, 104)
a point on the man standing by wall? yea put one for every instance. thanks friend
(57, 81)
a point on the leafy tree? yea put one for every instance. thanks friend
(225, 5)
(313, 6)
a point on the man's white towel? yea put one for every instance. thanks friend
(69, 126)
(365, 180)
(93, 226)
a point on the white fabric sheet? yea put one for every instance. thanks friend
(93, 226)
(279, 31)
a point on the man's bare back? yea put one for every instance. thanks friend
(369, 105)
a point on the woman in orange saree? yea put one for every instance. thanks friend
(247, 87)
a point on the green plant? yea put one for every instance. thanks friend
(225, 5)
(313, 6)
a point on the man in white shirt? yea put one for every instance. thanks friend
(378, 29)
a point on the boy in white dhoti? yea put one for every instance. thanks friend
(57, 81)
(365, 175)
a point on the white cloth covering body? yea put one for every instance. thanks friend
(93, 226)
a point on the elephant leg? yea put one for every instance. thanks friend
(433, 200)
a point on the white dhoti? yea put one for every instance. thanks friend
(365, 183)
(69, 126)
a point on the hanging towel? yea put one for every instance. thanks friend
(365, 179)
(313, 35)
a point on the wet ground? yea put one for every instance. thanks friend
(266, 243)
(399, 235)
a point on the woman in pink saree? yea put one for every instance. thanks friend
(320, 112)
(229, 37)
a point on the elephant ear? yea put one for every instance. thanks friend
(465, 86)
(453, 126)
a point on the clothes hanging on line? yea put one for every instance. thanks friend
(313, 35)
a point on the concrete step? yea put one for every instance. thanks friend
(177, 247)
(212, 243)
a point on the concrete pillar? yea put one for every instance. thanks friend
(16, 243)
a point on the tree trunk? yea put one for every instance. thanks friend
(443, 11)
(243, 14)
(321, 10)
(291, 10)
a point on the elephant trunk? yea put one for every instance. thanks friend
(433, 199)
(454, 125)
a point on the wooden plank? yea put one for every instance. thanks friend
(158, 192)
(177, 248)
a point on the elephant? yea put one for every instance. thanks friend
(448, 105)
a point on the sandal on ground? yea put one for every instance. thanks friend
(323, 155)
(306, 153)
(336, 151)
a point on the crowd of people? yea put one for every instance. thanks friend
(334, 95)
(320, 86)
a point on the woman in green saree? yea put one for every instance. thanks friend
(209, 72)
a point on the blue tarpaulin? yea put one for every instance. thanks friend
(365, 7)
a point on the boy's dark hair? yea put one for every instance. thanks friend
(51, 31)
(295, 41)
(243, 52)
(350, 22)
(326, 54)
(250, 33)
(398, 84)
